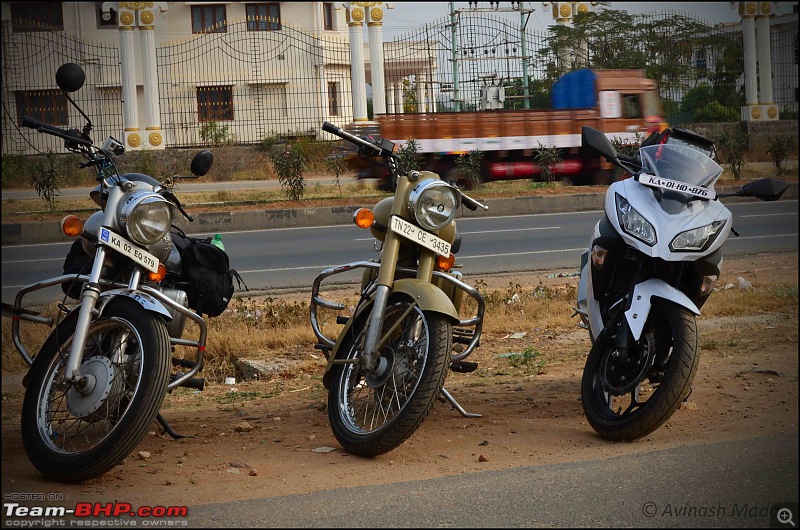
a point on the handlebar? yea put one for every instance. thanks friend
(341, 133)
(72, 135)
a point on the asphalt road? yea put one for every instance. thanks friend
(289, 259)
(722, 485)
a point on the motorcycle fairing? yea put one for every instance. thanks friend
(669, 218)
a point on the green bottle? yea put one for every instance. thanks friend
(217, 242)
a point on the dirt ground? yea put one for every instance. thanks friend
(250, 445)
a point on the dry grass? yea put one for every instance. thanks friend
(272, 329)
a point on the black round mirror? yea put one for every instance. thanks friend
(201, 163)
(70, 77)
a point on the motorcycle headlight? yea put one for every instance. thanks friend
(696, 239)
(634, 223)
(146, 217)
(433, 204)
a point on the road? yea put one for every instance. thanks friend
(290, 259)
(720, 485)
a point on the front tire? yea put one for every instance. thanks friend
(669, 346)
(73, 436)
(372, 414)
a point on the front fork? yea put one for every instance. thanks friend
(86, 313)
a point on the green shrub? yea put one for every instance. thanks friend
(779, 149)
(215, 134)
(468, 168)
(336, 165)
(547, 158)
(289, 161)
(16, 170)
(45, 179)
(732, 150)
(716, 112)
(408, 155)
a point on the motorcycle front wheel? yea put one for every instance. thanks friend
(73, 435)
(628, 396)
(372, 414)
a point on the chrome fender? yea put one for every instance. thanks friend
(641, 302)
(147, 302)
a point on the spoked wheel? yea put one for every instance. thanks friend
(627, 395)
(371, 414)
(76, 432)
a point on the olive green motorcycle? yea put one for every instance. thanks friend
(387, 367)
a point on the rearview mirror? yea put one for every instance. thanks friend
(70, 77)
(201, 163)
(595, 142)
(767, 189)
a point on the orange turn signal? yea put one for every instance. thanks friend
(71, 225)
(363, 218)
(158, 276)
(445, 264)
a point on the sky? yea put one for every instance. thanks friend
(407, 16)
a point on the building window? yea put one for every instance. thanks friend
(327, 13)
(35, 16)
(215, 103)
(263, 17)
(209, 19)
(48, 106)
(333, 100)
(105, 20)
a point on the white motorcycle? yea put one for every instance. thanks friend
(652, 262)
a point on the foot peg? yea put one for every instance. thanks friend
(463, 367)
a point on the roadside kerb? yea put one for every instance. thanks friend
(213, 222)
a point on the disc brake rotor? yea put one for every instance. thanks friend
(621, 372)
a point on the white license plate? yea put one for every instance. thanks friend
(126, 248)
(419, 236)
(674, 185)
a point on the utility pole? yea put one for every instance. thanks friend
(494, 7)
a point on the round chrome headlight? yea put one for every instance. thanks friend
(433, 204)
(146, 217)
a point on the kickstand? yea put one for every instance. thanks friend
(167, 429)
(456, 406)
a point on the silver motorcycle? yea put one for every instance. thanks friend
(100, 377)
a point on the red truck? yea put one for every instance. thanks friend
(620, 103)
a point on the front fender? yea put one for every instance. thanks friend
(641, 302)
(147, 302)
(427, 296)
